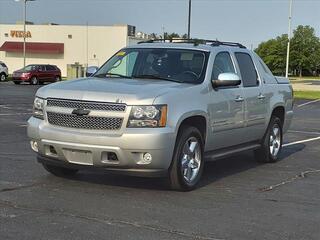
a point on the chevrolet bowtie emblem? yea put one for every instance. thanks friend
(80, 112)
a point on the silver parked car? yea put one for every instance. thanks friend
(3, 71)
(160, 109)
(91, 70)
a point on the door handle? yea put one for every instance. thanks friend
(261, 96)
(239, 99)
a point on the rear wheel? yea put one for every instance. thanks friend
(59, 171)
(3, 77)
(34, 81)
(58, 78)
(272, 142)
(187, 163)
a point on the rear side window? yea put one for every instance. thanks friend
(222, 64)
(3, 65)
(247, 69)
(50, 68)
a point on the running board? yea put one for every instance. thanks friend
(224, 152)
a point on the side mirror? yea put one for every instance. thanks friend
(226, 80)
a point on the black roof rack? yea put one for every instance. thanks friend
(195, 42)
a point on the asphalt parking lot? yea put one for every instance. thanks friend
(238, 198)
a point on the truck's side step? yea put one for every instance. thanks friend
(224, 152)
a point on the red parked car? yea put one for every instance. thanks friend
(36, 73)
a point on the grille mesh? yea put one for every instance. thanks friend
(86, 105)
(84, 122)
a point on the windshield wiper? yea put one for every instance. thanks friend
(105, 75)
(150, 76)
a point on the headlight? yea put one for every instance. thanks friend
(148, 116)
(38, 108)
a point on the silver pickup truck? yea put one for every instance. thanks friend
(163, 109)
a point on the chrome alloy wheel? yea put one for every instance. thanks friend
(275, 140)
(191, 159)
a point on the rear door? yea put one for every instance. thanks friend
(51, 73)
(255, 102)
(226, 107)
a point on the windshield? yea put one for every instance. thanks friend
(29, 68)
(177, 65)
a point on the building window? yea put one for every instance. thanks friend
(6, 35)
(70, 36)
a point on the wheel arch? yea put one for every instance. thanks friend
(194, 119)
(279, 111)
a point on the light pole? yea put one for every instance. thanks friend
(24, 28)
(289, 38)
(189, 19)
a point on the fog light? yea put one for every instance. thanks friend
(34, 146)
(147, 158)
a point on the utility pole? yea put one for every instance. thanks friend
(87, 45)
(289, 38)
(24, 32)
(24, 28)
(189, 19)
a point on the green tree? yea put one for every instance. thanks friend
(304, 49)
(171, 35)
(273, 53)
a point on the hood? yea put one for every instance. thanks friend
(120, 90)
(21, 71)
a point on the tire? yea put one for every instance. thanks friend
(271, 144)
(57, 79)
(187, 163)
(34, 81)
(59, 171)
(17, 82)
(3, 77)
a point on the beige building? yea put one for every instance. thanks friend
(62, 45)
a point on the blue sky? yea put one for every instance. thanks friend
(246, 21)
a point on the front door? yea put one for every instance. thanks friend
(42, 74)
(255, 102)
(226, 108)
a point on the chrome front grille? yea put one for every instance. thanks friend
(110, 107)
(84, 122)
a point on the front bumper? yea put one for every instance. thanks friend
(77, 148)
(20, 78)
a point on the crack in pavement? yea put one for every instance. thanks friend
(296, 177)
(109, 221)
(8, 189)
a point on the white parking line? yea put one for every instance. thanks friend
(304, 132)
(307, 103)
(302, 141)
(13, 114)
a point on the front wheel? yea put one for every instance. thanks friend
(17, 82)
(34, 81)
(59, 171)
(187, 163)
(272, 142)
(3, 77)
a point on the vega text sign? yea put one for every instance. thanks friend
(20, 34)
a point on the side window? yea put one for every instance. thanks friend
(247, 69)
(41, 68)
(222, 64)
(50, 68)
